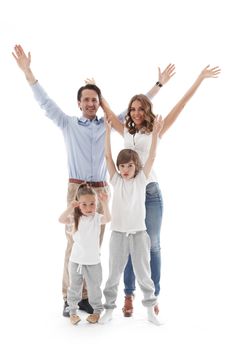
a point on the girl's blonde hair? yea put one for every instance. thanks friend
(147, 124)
(81, 191)
(127, 155)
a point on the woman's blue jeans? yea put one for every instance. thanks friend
(154, 213)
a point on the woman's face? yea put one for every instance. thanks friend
(137, 113)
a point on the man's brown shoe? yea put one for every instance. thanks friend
(128, 306)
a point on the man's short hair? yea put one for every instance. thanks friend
(88, 87)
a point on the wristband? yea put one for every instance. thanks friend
(159, 84)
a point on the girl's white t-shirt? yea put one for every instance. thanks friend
(128, 204)
(86, 247)
(141, 144)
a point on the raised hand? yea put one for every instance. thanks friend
(103, 196)
(158, 124)
(21, 58)
(166, 75)
(107, 123)
(90, 81)
(163, 77)
(74, 204)
(24, 62)
(210, 72)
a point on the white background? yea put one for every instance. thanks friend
(121, 44)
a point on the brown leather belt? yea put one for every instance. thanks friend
(90, 183)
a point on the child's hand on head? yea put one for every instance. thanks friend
(90, 81)
(74, 204)
(103, 196)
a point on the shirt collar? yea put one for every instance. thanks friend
(85, 121)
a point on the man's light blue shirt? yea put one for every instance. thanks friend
(84, 139)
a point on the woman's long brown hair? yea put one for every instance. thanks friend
(147, 125)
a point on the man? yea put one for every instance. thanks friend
(84, 140)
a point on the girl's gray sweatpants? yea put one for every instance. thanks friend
(138, 246)
(93, 277)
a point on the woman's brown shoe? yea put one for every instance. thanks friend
(128, 306)
(156, 309)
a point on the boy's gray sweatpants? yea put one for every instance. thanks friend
(93, 277)
(138, 246)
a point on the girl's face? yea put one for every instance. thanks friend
(137, 113)
(127, 170)
(87, 204)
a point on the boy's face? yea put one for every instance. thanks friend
(127, 170)
(89, 103)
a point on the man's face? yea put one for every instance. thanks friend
(89, 103)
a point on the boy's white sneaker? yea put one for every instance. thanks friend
(107, 316)
(152, 317)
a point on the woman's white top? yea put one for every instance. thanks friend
(141, 144)
(86, 247)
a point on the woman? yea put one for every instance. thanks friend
(137, 136)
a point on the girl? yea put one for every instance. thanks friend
(128, 223)
(85, 254)
(137, 136)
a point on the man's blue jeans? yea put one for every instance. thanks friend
(154, 213)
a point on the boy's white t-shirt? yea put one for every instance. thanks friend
(141, 144)
(86, 247)
(128, 204)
